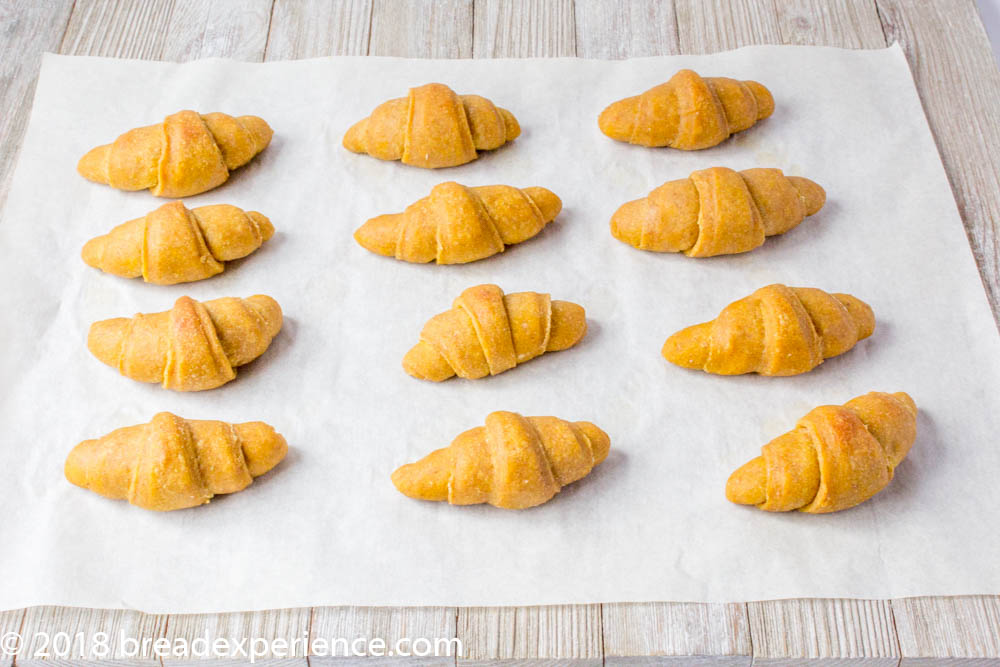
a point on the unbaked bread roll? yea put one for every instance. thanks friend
(174, 244)
(717, 211)
(687, 112)
(432, 127)
(173, 463)
(487, 332)
(513, 462)
(191, 347)
(186, 154)
(456, 224)
(836, 457)
(777, 330)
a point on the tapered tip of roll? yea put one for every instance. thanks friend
(94, 165)
(626, 223)
(261, 131)
(618, 119)
(813, 196)
(93, 251)
(78, 463)
(512, 127)
(428, 478)
(569, 325)
(379, 234)
(354, 139)
(688, 347)
(748, 485)
(600, 443)
(765, 101)
(547, 202)
(906, 400)
(860, 312)
(105, 337)
(269, 310)
(263, 224)
(425, 363)
(263, 447)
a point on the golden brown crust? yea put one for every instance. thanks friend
(487, 332)
(777, 330)
(186, 154)
(174, 244)
(513, 462)
(432, 127)
(687, 112)
(717, 211)
(191, 347)
(836, 457)
(173, 463)
(456, 224)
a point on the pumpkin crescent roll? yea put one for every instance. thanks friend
(513, 462)
(836, 457)
(186, 154)
(717, 211)
(687, 112)
(777, 330)
(487, 332)
(173, 463)
(432, 127)
(174, 244)
(456, 224)
(191, 347)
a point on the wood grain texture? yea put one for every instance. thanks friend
(623, 29)
(949, 630)
(314, 28)
(849, 24)
(10, 622)
(707, 26)
(389, 624)
(421, 29)
(26, 30)
(128, 29)
(244, 634)
(231, 28)
(959, 85)
(125, 631)
(545, 635)
(833, 632)
(714, 634)
(524, 28)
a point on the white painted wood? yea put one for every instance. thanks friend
(231, 28)
(279, 636)
(26, 30)
(624, 29)
(10, 629)
(531, 635)
(849, 24)
(676, 633)
(390, 624)
(524, 28)
(421, 29)
(124, 631)
(707, 26)
(314, 28)
(949, 630)
(829, 632)
(127, 29)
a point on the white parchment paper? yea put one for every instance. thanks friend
(651, 523)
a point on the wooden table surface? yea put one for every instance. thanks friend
(959, 85)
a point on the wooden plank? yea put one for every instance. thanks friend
(69, 635)
(524, 28)
(420, 29)
(849, 24)
(10, 635)
(623, 29)
(128, 29)
(556, 635)
(28, 28)
(829, 632)
(422, 628)
(221, 28)
(949, 630)
(275, 637)
(707, 26)
(959, 85)
(676, 633)
(313, 28)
